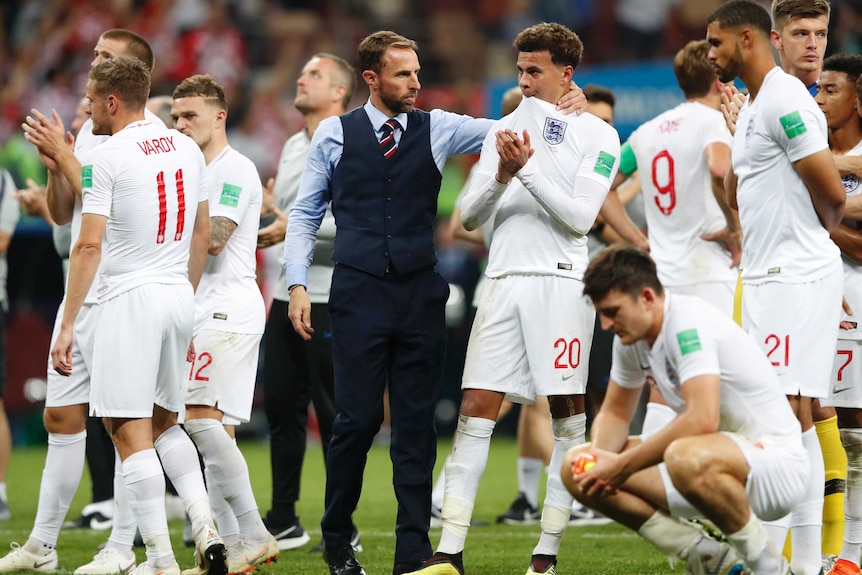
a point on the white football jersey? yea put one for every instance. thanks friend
(147, 180)
(85, 142)
(679, 203)
(697, 339)
(286, 188)
(228, 298)
(782, 237)
(852, 270)
(527, 238)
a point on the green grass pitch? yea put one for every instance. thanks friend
(491, 550)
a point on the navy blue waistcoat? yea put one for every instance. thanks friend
(385, 210)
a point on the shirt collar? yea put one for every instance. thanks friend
(378, 118)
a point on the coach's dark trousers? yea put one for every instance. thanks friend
(388, 329)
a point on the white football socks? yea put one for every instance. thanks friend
(463, 472)
(439, 487)
(657, 416)
(228, 526)
(851, 439)
(228, 470)
(756, 548)
(123, 527)
(146, 486)
(529, 474)
(568, 432)
(180, 461)
(670, 535)
(64, 465)
(806, 520)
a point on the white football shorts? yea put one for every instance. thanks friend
(75, 389)
(796, 325)
(223, 373)
(141, 345)
(531, 336)
(845, 388)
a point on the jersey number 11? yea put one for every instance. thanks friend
(163, 206)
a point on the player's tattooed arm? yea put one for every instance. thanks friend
(221, 229)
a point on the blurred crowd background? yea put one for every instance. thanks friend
(256, 48)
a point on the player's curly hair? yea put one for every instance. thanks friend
(565, 47)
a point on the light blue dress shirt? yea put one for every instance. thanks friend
(451, 134)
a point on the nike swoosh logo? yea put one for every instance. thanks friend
(37, 565)
(837, 389)
(568, 377)
(98, 525)
(285, 533)
(128, 568)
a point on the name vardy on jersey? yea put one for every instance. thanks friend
(161, 145)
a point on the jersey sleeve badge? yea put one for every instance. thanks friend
(87, 176)
(604, 164)
(230, 195)
(793, 125)
(689, 341)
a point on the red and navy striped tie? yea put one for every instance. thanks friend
(388, 143)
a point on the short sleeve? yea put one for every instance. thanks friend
(693, 347)
(626, 370)
(717, 133)
(798, 126)
(97, 183)
(229, 198)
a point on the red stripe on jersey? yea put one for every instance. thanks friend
(181, 205)
(163, 208)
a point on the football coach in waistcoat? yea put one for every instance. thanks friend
(380, 166)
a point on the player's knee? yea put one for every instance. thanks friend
(685, 464)
(65, 420)
(481, 403)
